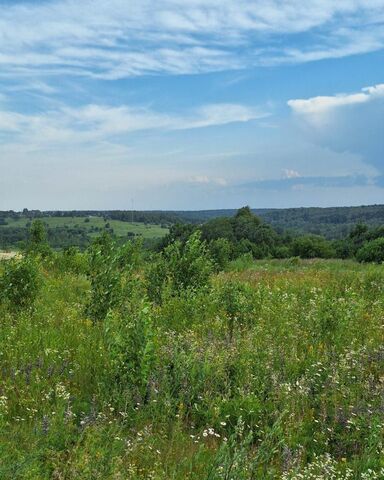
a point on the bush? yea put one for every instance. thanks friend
(37, 242)
(312, 246)
(235, 298)
(21, 283)
(130, 342)
(221, 252)
(372, 251)
(180, 267)
(71, 260)
(281, 252)
(108, 267)
(243, 262)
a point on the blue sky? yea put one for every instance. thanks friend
(191, 104)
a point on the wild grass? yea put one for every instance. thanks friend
(274, 370)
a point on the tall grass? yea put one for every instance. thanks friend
(274, 370)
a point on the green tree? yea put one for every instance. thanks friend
(180, 267)
(110, 267)
(221, 252)
(37, 241)
(312, 246)
(372, 251)
(20, 283)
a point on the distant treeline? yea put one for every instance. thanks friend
(332, 223)
(154, 217)
(58, 237)
(279, 230)
(245, 234)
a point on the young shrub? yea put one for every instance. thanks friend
(191, 266)
(157, 278)
(20, 283)
(236, 299)
(129, 337)
(130, 254)
(37, 242)
(108, 267)
(281, 251)
(243, 262)
(221, 252)
(71, 260)
(179, 268)
(372, 251)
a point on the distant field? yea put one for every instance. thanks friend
(63, 232)
(89, 224)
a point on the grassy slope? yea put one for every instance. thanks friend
(304, 371)
(120, 228)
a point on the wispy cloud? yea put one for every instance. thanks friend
(118, 39)
(293, 183)
(206, 180)
(98, 122)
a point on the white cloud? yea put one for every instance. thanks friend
(289, 173)
(346, 122)
(319, 105)
(118, 39)
(98, 122)
(206, 180)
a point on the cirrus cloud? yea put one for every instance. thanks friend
(119, 39)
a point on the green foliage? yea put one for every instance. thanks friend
(221, 251)
(242, 262)
(244, 232)
(312, 246)
(372, 251)
(37, 243)
(109, 268)
(236, 300)
(130, 255)
(20, 283)
(71, 260)
(218, 228)
(281, 251)
(129, 338)
(180, 267)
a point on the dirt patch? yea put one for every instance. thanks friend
(8, 255)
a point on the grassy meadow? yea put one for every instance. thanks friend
(270, 370)
(90, 227)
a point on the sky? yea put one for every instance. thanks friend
(191, 104)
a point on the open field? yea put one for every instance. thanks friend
(120, 228)
(75, 231)
(275, 371)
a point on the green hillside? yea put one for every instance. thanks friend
(77, 230)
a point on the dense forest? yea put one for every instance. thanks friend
(245, 234)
